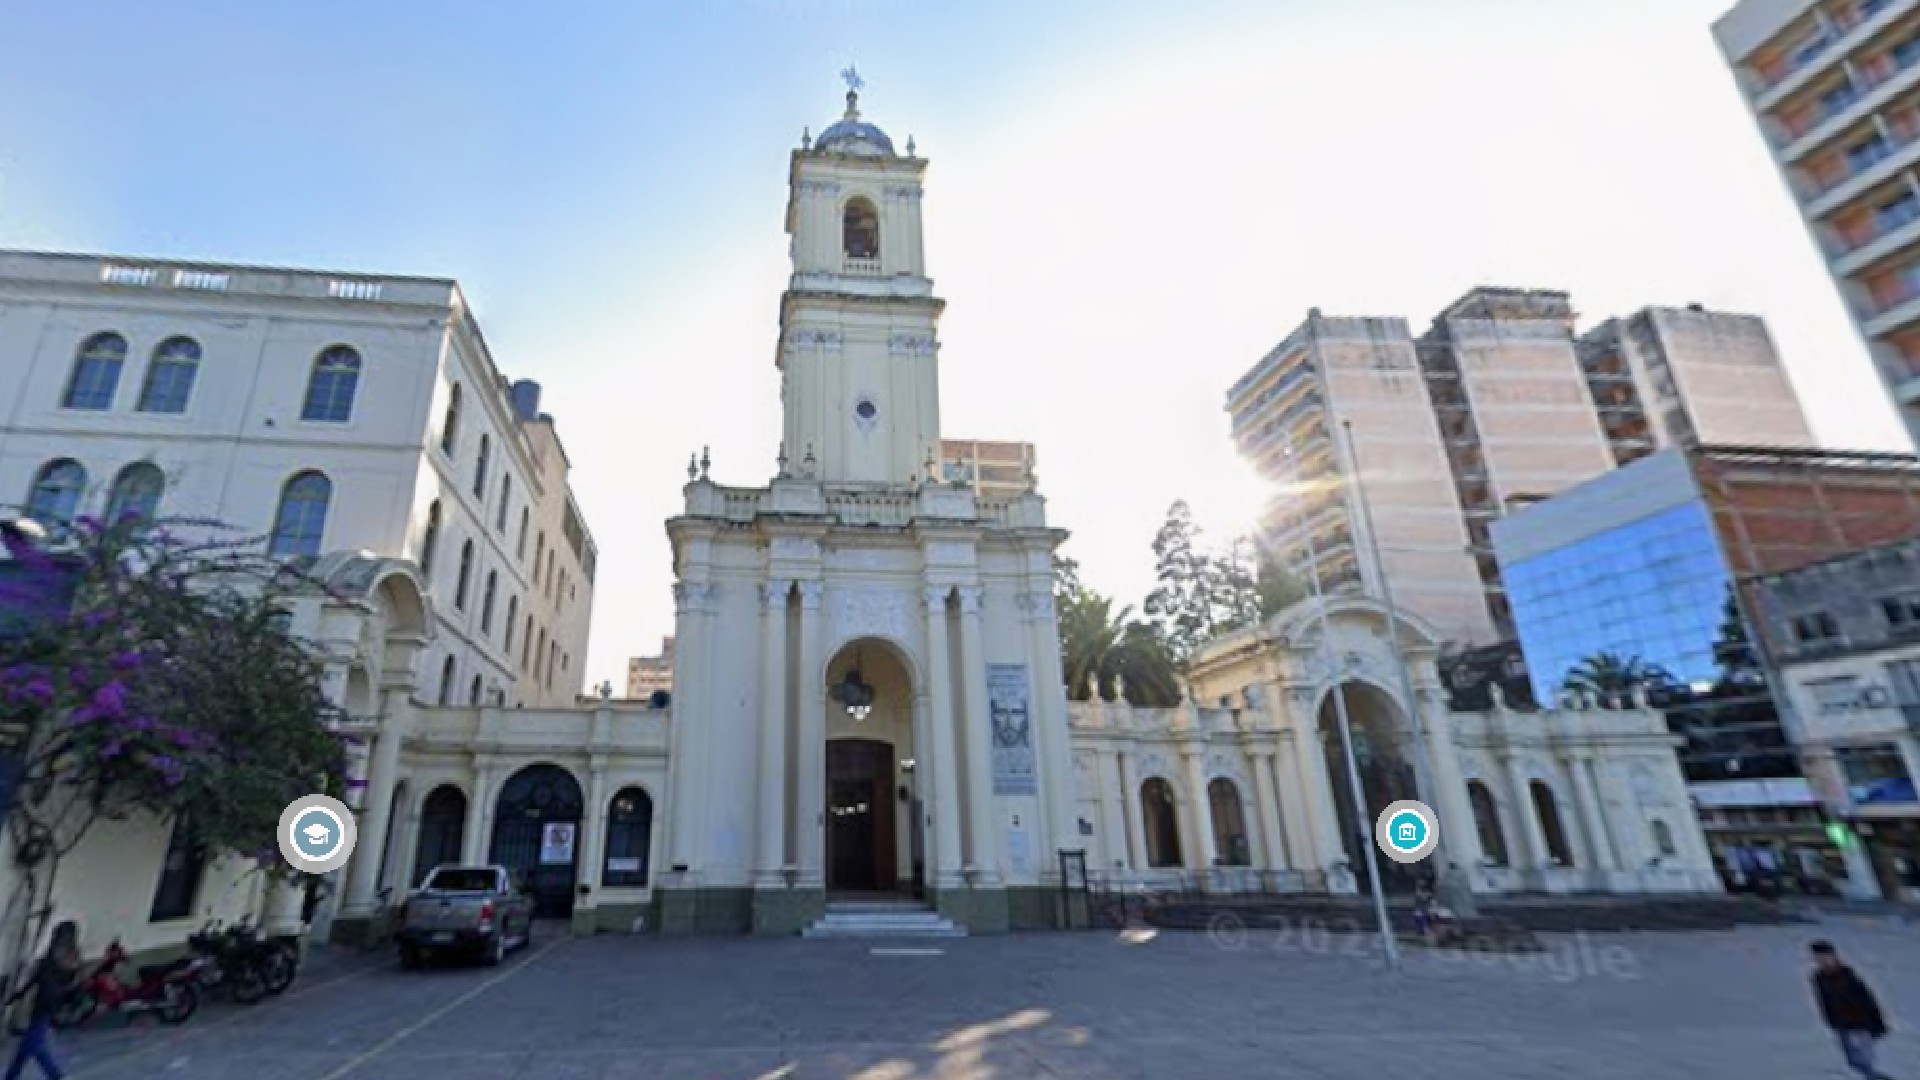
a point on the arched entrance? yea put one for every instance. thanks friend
(873, 810)
(443, 823)
(536, 835)
(1386, 776)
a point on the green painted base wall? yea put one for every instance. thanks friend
(1033, 907)
(786, 912)
(618, 918)
(701, 912)
(981, 911)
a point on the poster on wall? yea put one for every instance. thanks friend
(556, 844)
(1012, 719)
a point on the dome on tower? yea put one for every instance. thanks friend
(852, 135)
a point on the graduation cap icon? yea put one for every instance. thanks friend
(316, 833)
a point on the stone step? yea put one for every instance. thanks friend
(823, 931)
(881, 918)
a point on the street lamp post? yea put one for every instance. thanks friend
(1453, 888)
(1361, 814)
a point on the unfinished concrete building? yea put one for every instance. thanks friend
(1670, 377)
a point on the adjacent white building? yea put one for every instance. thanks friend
(321, 411)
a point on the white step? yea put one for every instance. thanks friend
(881, 918)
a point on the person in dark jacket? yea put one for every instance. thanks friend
(1849, 1009)
(52, 978)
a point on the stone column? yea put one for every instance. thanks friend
(1459, 835)
(944, 752)
(1113, 812)
(1533, 841)
(1053, 737)
(593, 830)
(1318, 787)
(1206, 848)
(1296, 819)
(690, 767)
(363, 875)
(772, 845)
(810, 756)
(1593, 821)
(1273, 844)
(280, 913)
(1133, 812)
(475, 836)
(976, 734)
(408, 842)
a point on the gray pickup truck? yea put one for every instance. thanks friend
(469, 910)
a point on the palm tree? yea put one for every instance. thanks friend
(1098, 645)
(1613, 677)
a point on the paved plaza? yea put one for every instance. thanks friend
(1728, 1005)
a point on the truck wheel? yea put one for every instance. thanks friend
(496, 949)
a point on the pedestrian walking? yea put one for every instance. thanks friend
(51, 980)
(1849, 1008)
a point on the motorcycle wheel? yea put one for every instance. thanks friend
(182, 999)
(279, 969)
(247, 986)
(74, 1009)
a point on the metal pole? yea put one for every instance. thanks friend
(1454, 891)
(1362, 816)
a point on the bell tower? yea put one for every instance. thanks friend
(858, 355)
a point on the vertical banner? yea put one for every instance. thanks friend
(556, 844)
(1012, 718)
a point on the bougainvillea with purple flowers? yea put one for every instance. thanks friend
(160, 679)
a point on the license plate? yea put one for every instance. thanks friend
(443, 937)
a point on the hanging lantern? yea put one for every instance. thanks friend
(854, 694)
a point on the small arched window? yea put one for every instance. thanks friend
(540, 656)
(861, 229)
(480, 464)
(57, 488)
(506, 499)
(513, 616)
(520, 546)
(331, 387)
(1663, 838)
(1545, 805)
(96, 373)
(170, 376)
(450, 426)
(526, 645)
(473, 691)
(1161, 823)
(1486, 823)
(136, 493)
(446, 681)
(466, 576)
(443, 820)
(430, 540)
(1229, 823)
(486, 602)
(629, 836)
(301, 520)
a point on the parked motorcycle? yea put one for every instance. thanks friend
(169, 991)
(238, 960)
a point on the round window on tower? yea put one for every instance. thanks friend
(866, 410)
(866, 414)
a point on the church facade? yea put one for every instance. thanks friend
(867, 684)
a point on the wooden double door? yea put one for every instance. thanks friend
(860, 816)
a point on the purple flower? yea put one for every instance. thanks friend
(141, 723)
(85, 714)
(125, 660)
(111, 749)
(39, 691)
(111, 699)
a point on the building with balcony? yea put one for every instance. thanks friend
(1289, 415)
(322, 412)
(1667, 377)
(1835, 88)
(1845, 638)
(995, 470)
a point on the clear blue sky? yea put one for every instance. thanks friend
(1128, 202)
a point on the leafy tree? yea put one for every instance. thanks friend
(1611, 676)
(1104, 647)
(1184, 604)
(163, 684)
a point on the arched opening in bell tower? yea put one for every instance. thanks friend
(873, 804)
(860, 229)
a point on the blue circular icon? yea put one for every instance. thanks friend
(317, 833)
(1407, 831)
